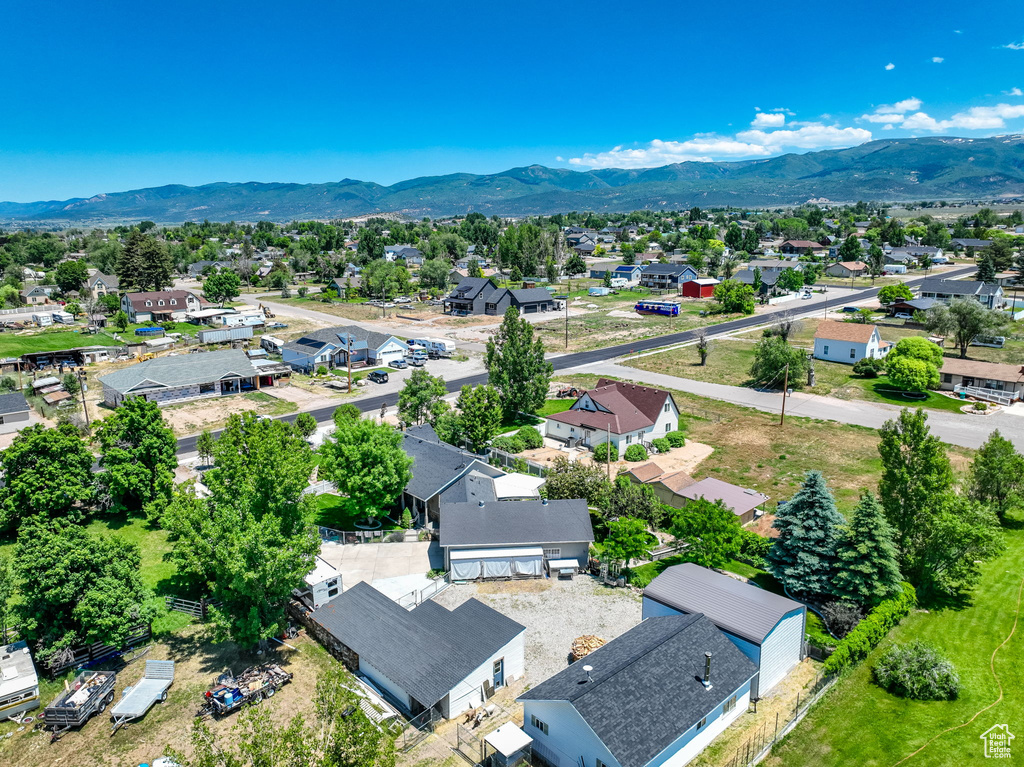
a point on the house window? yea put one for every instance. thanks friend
(552, 553)
(149, 303)
(729, 705)
(332, 592)
(668, 427)
(629, 438)
(826, 349)
(538, 724)
(702, 722)
(947, 378)
(666, 407)
(853, 354)
(160, 302)
(174, 302)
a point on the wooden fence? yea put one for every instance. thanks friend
(90, 655)
(199, 610)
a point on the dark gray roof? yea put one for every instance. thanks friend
(183, 370)
(645, 687)
(472, 488)
(14, 402)
(426, 651)
(470, 287)
(515, 522)
(667, 269)
(919, 304)
(315, 340)
(970, 242)
(435, 464)
(768, 277)
(959, 287)
(740, 608)
(530, 295)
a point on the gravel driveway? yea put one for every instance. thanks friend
(554, 613)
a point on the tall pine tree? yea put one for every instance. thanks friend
(803, 556)
(866, 567)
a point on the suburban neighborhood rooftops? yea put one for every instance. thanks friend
(107, 279)
(959, 287)
(435, 464)
(426, 651)
(644, 689)
(856, 332)
(739, 608)
(14, 402)
(970, 242)
(361, 338)
(739, 499)
(802, 244)
(515, 522)
(992, 371)
(184, 370)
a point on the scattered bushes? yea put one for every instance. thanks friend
(661, 444)
(841, 617)
(754, 548)
(530, 437)
(873, 629)
(636, 453)
(676, 438)
(918, 672)
(869, 367)
(302, 291)
(606, 452)
(511, 444)
(321, 371)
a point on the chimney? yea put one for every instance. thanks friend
(707, 671)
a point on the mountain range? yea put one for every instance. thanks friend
(931, 168)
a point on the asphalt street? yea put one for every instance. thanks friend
(373, 403)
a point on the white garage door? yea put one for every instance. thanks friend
(781, 650)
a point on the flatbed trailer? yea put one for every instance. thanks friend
(88, 695)
(137, 700)
(254, 684)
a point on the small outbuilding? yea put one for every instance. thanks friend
(14, 412)
(702, 287)
(766, 627)
(742, 501)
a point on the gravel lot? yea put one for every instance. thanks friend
(554, 613)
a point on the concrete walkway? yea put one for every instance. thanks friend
(371, 562)
(953, 428)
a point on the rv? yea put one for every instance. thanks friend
(440, 346)
(64, 318)
(619, 282)
(42, 320)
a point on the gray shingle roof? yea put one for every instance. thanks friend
(959, 287)
(314, 341)
(472, 488)
(183, 370)
(740, 608)
(14, 402)
(515, 522)
(435, 464)
(667, 269)
(426, 651)
(645, 689)
(530, 295)
(469, 287)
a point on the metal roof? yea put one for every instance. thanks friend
(739, 608)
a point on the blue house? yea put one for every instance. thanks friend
(630, 273)
(666, 276)
(654, 697)
(330, 347)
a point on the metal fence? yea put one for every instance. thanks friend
(417, 729)
(509, 461)
(197, 609)
(770, 732)
(419, 596)
(329, 534)
(700, 412)
(89, 655)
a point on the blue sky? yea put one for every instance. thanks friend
(108, 95)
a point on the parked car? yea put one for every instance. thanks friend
(902, 316)
(399, 364)
(403, 300)
(417, 362)
(850, 309)
(378, 376)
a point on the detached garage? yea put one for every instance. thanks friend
(767, 628)
(703, 287)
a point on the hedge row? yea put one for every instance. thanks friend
(873, 629)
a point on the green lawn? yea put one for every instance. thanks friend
(553, 406)
(12, 345)
(335, 512)
(860, 724)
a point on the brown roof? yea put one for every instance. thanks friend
(853, 266)
(677, 481)
(739, 499)
(646, 472)
(138, 300)
(803, 244)
(857, 332)
(993, 371)
(627, 407)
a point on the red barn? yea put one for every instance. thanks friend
(700, 288)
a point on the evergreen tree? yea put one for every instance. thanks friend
(986, 269)
(997, 475)
(803, 557)
(867, 570)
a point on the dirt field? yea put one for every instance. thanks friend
(197, 664)
(193, 417)
(686, 458)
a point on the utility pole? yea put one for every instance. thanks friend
(567, 317)
(348, 359)
(785, 386)
(81, 390)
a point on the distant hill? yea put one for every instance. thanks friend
(899, 169)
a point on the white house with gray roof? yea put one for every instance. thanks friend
(170, 380)
(768, 628)
(655, 696)
(330, 347)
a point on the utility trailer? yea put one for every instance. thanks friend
(88, 695)
(136, 701)
(254, 684)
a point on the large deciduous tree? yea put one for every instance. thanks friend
(516, 365)
(711, 531)
(772, 354)
(221, 286)
(867, 570)
(803, 557)
(421, 398)
(963, 319)
(734, 297)
(574, 479)
(479, 415)
(70, 275)
(627, 539)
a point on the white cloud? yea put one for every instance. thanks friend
(1015, 46)
(1014, 92)
(937, 59)
(811, 136)
(890, 66)
(658, 152)
(975, 118)
(769, 120)
(892, 113)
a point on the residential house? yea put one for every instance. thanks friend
(901, 258)
(502, 539)
(19, 683)
(15, 414)
(847, 269)
(769, 280)
(585, 247)
(464, 263)
(655, 696)
(630, 273)
(170, 380)
(702, 287)
(910, 306)
(480, 295)
(667, 276)
(989, 294)
(425, 658)
(621, 412)
(100, 284)
(34, 296)
(767, 628)
(970, 243)
(197, 269)
(774, 265)
(992, 377)
(161, 305)
(848, 342)
(918, 251)
(742, 501)
(800, 247)
(330, 347)
(667, 486)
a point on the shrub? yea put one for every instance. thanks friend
(407, 519)
(753, 547)
(285, 293)
(321, 371)
(509, 444)
(981, 406)
(661, 444)
(676, 438)
(636, 453)
(302, 291)
(856, 645)
(918, 672)
(605, 452)
(519, 466)
(530, 438)
(868, 367)
(841, 617)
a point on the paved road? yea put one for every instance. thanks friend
(372, 403)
